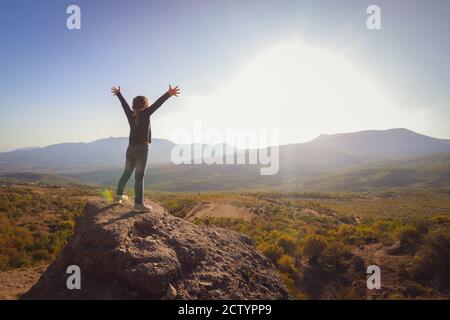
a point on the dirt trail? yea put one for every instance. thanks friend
(376, 254)
(219, 210)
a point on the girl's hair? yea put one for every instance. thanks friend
(139, 103)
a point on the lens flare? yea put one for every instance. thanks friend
(106, 195)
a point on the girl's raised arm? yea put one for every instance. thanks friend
(116, 91)
(158, 103)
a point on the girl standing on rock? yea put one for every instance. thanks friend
(140, 136)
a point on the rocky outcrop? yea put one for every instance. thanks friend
(124, 254)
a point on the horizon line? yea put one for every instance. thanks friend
(279, 145)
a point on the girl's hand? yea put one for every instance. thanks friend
(173, 91)
(115, 90)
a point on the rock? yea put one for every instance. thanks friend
(124, 254)
(171, 293)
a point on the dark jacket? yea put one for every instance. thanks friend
(142, 132)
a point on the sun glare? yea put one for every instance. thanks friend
(301, 90)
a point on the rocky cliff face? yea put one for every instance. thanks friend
(123, 254)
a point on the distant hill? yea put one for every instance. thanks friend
(78, 157)
(331, 152)
(384, 143)
(398, 174)
(347, 161)
(40, 177)
(431, 171)
(25, 149)
(426, 172)
(64, 158)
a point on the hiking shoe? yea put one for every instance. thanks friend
(120, 199)
(143, 207)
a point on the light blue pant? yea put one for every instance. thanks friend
(136, 158)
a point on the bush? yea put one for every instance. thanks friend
(287, 264)
(288, 245)
(366, 234)
(432, 264)
(23, 245)
(384, 226)
(272, 252)
(41, 254)
(333, 256)
(415, 290)
(409, 236)
(313, 247)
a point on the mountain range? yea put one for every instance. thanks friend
(345, 161)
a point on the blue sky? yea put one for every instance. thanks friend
(55, 82)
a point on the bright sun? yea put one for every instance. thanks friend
(301, 90)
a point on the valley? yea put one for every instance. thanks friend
(351, 162)
(320, 243)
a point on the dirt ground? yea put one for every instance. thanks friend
(16, 282)
(219, 210)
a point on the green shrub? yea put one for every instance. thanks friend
(287, 264)
(415, 290)
(366, 234)
(288, 244)
(409, 235)
(334, 256)
(272, 252)
(41, 254)
(432, 264)
(313, 247)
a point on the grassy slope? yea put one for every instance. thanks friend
(430, 172)
(319, 242)
(425, 172)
